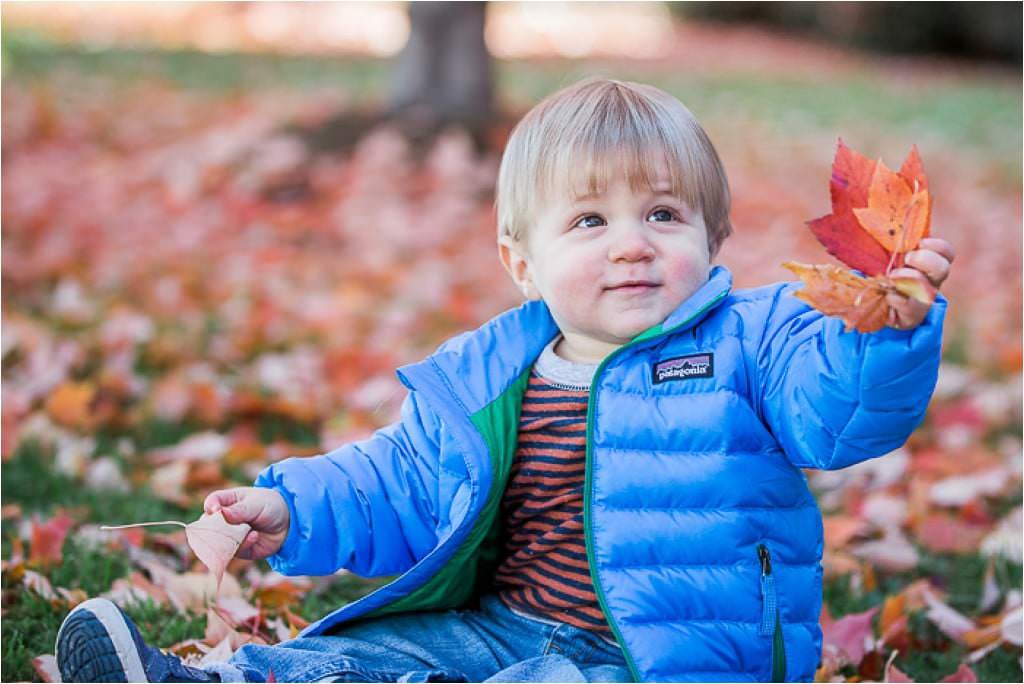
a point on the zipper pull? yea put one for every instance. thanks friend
(769, 604)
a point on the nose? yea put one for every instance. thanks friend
(630, 243)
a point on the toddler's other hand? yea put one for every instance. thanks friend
(931, 261)
(263, 509)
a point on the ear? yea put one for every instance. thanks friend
(517, 263)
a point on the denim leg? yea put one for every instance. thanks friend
(544, 668)
(557, 652)
(590, 656)
(490, 644)
(450, 646)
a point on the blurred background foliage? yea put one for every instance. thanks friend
(226, 224)
(984, 30)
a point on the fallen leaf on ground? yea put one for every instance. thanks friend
(48, 540)
(46, 667)
(962, 674)
(849, 637)
(949, 621)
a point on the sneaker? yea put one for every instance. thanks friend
(97, 642)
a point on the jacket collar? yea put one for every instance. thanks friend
(477, 366)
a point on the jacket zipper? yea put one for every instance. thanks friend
(771, 622)
(588, 484)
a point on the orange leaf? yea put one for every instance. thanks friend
(893, 608)
(839, 232)
(876, 214)
(835, 291)
(851, 178)
(912, 171)
(48, 540)
(897, 213)
(921, 290)
(841, 529)
(70, 404)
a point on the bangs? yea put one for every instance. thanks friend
(621, 135)
(575, 143)
(586, 170)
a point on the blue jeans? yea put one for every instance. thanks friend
(492, 644)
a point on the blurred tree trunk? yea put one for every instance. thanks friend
(444, 74)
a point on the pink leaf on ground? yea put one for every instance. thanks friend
(46, 667)
(893, 673)
(39, 584)
(990, 593)
(893, 552)
(962, 674)
(960, 489)
(203, 446)
(48, 540)
(215, 541)
(851, 635)
(949, 621)
(1012, 627)
(944, 533)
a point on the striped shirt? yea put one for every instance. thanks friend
(544, 569)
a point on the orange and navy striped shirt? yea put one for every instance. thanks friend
(544, 569)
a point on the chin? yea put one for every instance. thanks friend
(632, 329)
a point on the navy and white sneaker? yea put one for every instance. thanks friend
(97, 642)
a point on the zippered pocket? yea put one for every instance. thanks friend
(771, 622)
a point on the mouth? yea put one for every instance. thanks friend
(632, 286)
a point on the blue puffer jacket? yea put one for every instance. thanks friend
(703, 538)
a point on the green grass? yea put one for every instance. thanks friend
(29, 480)
(962, 576)
(30, 622)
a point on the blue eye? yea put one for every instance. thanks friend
(584, 218)
(671, 216)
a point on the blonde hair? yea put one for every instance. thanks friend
(602, 126)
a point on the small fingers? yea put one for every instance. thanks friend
(245, 549)
(940, 246)
(905, 312)
(934, 265)
(219, 499)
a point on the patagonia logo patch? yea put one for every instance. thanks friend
(685, 368)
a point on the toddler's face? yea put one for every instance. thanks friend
(611, 266)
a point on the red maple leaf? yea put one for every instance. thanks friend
(855, 178)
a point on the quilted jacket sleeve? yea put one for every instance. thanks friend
(370, 507)
(835, 398)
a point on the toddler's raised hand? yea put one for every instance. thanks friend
(930, 260)
(263, 509)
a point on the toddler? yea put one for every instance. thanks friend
(602, 484)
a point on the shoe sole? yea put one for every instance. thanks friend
(100, 648)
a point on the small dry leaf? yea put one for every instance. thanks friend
(215, 541)
(859, 302)
(211, 538)
(46, 667)
(962, 674)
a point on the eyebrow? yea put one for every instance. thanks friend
(658, 190)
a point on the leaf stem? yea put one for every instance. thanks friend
(144, 524)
